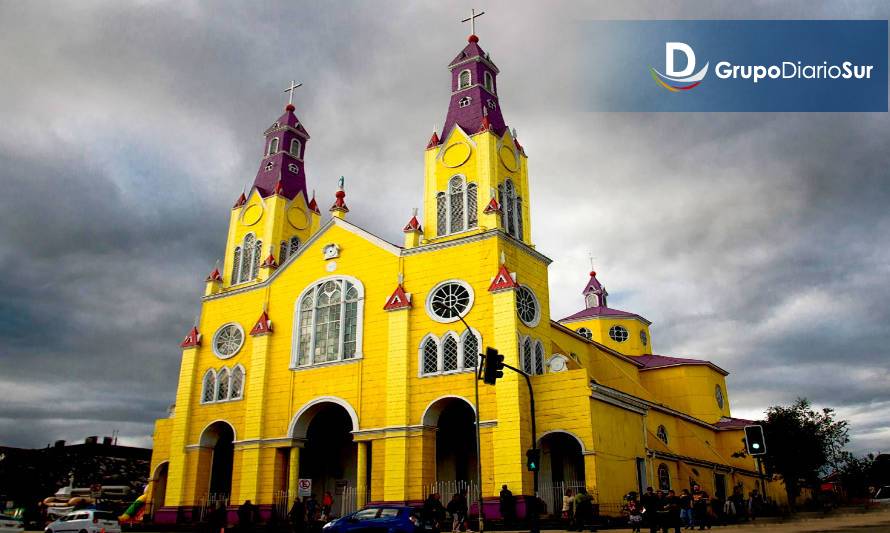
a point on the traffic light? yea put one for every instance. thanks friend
(754, 441)
(533, 459)
(494, 366)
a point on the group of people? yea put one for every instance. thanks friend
(666, 510)
(308, 510)
(433, 515)
(577, 509)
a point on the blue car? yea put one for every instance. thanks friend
(376, 519)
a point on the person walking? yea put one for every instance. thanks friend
(649, 502)
(634, 512)
(457, 508)
(701, 516)
(217, 520)
(507, 506)
(327, 503)
(567, 508)
(297, 516)
(583, 505)
(685, 503)
(431, 513)
(246, 517)
(311, 509)
(670, 517)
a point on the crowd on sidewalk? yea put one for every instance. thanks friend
(696, 509)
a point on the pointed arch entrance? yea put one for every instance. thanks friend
(329, 453)
(456, 461)
(217, 451)
(562, 467)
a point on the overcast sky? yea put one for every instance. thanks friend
(128, 129)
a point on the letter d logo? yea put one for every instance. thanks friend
(670, 50)
(674, 80)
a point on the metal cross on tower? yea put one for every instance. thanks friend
(472, 20)
(290, 97)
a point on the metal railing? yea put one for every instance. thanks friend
(552, 492)
(208, 504)
(447, 490)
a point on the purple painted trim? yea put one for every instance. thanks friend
(594, 312)
(651, 362)
(728, 422)
(292, 183)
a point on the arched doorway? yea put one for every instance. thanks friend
(218, 439)
(329, 454)
(158, 487)
(456, 459)
(562, 468)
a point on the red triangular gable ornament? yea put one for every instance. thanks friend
(270, 262)
(412, 225)
(263, 325)
(192, 339)
(398, 300)
(492, 207)
(241, 201)
(504, 280)
(214, 276)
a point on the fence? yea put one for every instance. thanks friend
(447, 489)
(552, 493)
(208, 504)
(346, 501)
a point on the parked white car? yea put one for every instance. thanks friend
(882, 497)
(85, 521)
(9, 524)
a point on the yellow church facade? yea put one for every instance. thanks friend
(324, 353)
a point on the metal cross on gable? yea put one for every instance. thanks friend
(293, 85)
(472, 20)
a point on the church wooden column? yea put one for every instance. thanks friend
(361, 474)
(177, 481)
(512, 435)
(395, 483)
(590, 479)
(293, 473)
(250, 456)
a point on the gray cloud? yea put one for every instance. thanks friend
(759, 241)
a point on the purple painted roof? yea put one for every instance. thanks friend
(661, 361)
(282, 165)
(593, 312)
(593, 284)
(727, 422)
(483, 102)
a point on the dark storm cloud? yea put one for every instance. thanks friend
(757, 240)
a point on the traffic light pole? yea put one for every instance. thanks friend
(533, 517)
(478, 431)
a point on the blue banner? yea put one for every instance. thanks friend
(735, 65)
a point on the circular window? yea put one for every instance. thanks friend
(718, 394)
(527, 306)
(586, 333)
(662, 434)
(228, 340)
(449, 300)
(618, 333)
(643, 337)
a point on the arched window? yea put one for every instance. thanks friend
(294, 245)
(441, 214)
(471, 349)
(472, 214)
(327, 322)
(464, 102)
(664, 477)
(237, 388)
(246, 259)
(539, 358)
(449, 354)
(222, 385)
(273, 145)
(456, 204)
(282, 252)
(586, 333)
(662, 434)
(527, 362)
(511, 206)
(209, 391)
(430, 354)
(236, 265)
(295, 146)
(456, 209)
(488, 81)
(463, 80)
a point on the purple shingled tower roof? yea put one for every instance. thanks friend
(283, 155)
(473, 91)
(596, 304)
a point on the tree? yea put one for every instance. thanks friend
(856, 474)
(802, 444)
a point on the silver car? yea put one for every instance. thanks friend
(85, 521)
